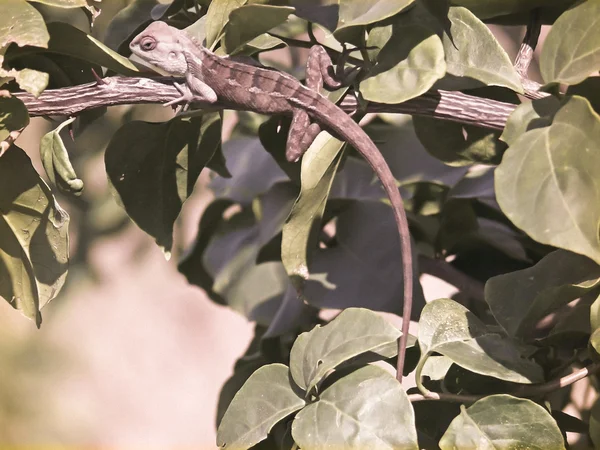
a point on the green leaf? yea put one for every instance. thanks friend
(595, 314)
(258, 292)
(319, 166)
(34, 241)
(356, 13)
(353, 332)
(250, 21)
(253, 171)
(590, 89)
(528, 116)
(191, 264)
(595, 424)
(485, 9)
(459, 145)
(154, 166)
(500, 422)
(520, 299)
(217, 17)
(22, 24)
(549, 181)
(63, 3)
(13, 116)
(56, 162)
(267, 397)
(571, 51)
(360, 270)
(130, 18)
(366, 409)
(68, 40)
(473, 52)
(450, 329)
(411, 60)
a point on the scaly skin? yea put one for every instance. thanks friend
(241, 86)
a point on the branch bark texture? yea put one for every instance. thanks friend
(70, 101)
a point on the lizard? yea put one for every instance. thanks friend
(236, 85)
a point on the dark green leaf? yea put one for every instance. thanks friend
(353, 332)
(267, 397)
(68, 40)
(485, 9)
(154, 166)
(13, 116)
(502, 422)
(366, 409)
(520, 299)
(363, 267)
(449, 328)
(548, 183)
(595, 424)
(130, 18)
(250, 21)
(571, 51)
(34, 242)
(253, 171)
(459, 145)
(57, 163)
(191, 264)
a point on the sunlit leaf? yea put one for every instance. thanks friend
(571, 50)
(502, 422)
(22, 24)
(265, 399)
(57, 163)
(548, 183)
(449, 328)
(366, 409)
(473, 52)
(319, 166)
(353, 332)
(411, 60)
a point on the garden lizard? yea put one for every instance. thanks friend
(210, 78)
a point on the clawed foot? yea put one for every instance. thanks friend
(186, 98)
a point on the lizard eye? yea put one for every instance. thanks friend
(148, 44)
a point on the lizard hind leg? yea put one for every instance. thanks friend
(319, 69)
(302, 133)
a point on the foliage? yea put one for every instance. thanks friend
(516, 209)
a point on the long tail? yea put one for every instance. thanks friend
(338, 121)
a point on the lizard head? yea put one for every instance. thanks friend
(161, 45)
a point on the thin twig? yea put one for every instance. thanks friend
(534, 390)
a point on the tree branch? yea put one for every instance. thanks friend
(69, 101)
(525, 56)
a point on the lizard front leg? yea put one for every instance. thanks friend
(194, 89)
(302, 133)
